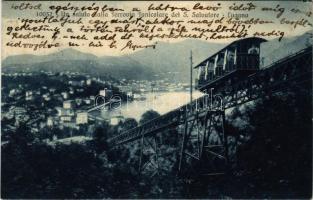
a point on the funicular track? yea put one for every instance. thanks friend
(204, 118)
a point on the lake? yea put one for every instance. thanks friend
(162, 102)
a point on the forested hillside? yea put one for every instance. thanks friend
(271, 158)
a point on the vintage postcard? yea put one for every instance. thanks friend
(156, 99)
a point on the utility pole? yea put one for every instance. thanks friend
(182, 150)
(191, 76)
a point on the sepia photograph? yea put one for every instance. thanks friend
(156, 99)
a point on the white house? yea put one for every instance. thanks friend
(116, 119)
(82, 118)
(102, 92)
(67, 104)
(49, 121)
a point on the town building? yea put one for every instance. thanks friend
(64, 95)
(102, 92)
(82, 117)
(62, 111)
(50, 121)
(66, 118)
(68, 104)
(115, 120)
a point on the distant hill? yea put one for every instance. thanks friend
(120, 67)
(66, 54)
(168, 60)
(76, 61)
(273, 50)
(173, 59)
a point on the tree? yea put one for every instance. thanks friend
(275, 139)
(149, 115)
(129, 123)
(101, 134)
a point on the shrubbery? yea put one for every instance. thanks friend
(272, 138)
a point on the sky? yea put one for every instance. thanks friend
(10, 16)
